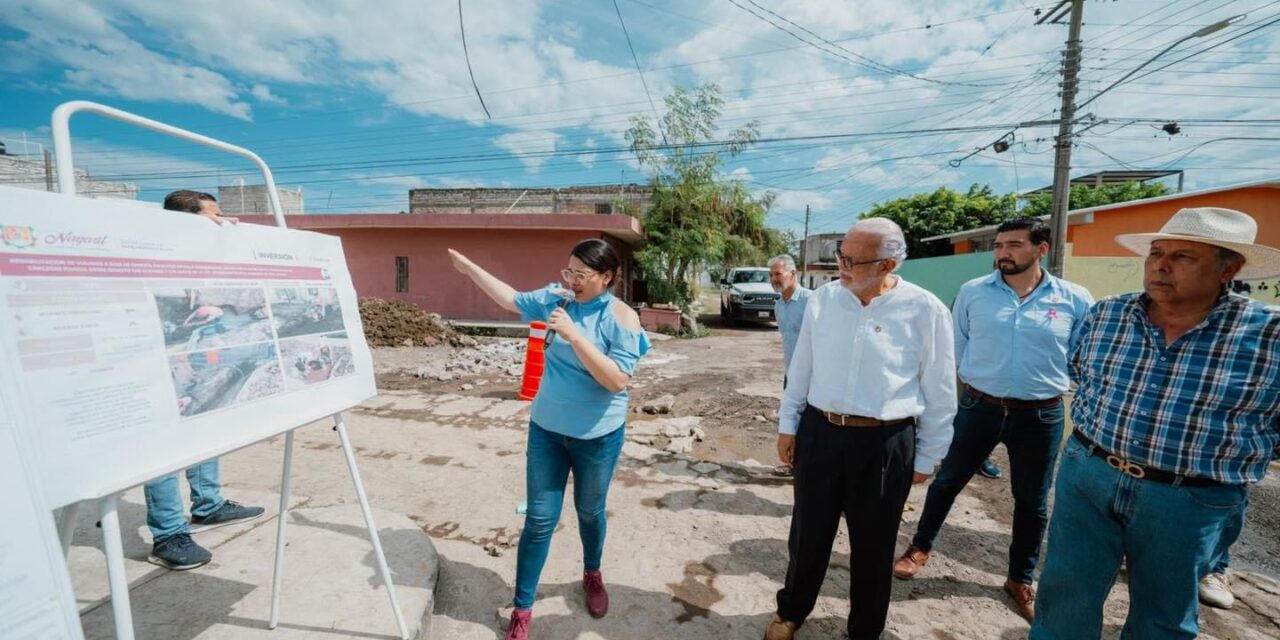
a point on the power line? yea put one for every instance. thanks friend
(467, 56)
(857, 58)
(657, 119)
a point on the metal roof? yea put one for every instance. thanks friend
(1100, 178)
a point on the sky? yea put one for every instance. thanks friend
(856, 102)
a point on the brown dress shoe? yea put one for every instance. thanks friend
(1024, 596)
(780, 629)
(911, 562)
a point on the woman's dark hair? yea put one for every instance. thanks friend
(600, 256)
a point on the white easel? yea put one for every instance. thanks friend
(107, 505)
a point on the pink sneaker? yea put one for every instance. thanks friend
(597, 596)
(519, 628)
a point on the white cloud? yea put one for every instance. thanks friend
(399, 181)
(793, 201)
(100, 58)
(588, 160)
(263, 94)
(529, 142)
(549, 83)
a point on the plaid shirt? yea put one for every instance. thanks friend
(1207, 405)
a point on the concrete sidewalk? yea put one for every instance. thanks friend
(331, 586)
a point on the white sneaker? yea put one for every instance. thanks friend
(1215, 591)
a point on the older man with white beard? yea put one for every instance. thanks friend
(866, 413)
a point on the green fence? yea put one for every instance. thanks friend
(943, 276)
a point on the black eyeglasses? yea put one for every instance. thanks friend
(848, 263)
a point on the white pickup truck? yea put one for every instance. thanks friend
(745, 294)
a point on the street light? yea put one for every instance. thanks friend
(1198, 33)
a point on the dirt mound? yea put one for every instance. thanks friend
(393, 323)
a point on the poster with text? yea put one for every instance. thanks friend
(141, 341)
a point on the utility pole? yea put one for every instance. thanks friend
(1062, 157)
(804, 246)
(48, 171)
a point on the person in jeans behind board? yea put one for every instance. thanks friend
(172, 545)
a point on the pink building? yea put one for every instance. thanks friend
(403, 256)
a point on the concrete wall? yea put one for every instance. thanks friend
(1110, 275)
(524, 259)
(27, 174)
(251, 199)
(575, 200)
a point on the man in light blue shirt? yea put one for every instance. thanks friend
(1012, 329)
(789, 309)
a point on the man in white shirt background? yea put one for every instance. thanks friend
(789, 308)
(867, 411)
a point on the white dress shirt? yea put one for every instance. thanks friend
(891, 359)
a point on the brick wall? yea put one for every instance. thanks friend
(572, 200)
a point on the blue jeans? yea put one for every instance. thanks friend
(164, 503)
(1033, 437)
(549, 459)
(1166, 534)
(1222, 554)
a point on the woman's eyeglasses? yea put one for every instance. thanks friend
(571, 276)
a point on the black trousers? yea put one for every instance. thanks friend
(864, 473)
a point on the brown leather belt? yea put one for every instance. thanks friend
(842, 420)
(1013, 403)
(1140, 472)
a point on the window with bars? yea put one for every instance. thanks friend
(402, 274)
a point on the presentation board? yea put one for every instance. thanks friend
(36, 602)
(141, 341)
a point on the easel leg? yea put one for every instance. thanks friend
(67, 525)
(116, 576)
(280, 525)
(341, 427)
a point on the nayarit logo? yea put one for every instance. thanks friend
(70, 238)
(18, 237)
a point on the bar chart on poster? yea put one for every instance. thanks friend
(142, 341)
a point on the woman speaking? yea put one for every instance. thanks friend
(593, 344)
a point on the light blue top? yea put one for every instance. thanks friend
(1017, 350)
(569, 401)
(790, 315)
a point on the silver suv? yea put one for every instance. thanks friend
(745, 294)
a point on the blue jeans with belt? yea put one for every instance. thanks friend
(164, 502)
(1033, 437)
(1167, 535)
(549, 459)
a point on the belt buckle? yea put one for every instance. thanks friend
(1124, 466)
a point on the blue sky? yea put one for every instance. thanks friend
(359, 102)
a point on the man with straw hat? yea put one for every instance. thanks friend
(1177, 412)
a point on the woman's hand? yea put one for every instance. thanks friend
(460, 262)
(563, 325)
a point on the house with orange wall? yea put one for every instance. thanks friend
(1091, 231)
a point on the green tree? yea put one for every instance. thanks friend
(699, 219)
(944, 211)
(1084, 196)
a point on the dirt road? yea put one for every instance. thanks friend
(697, 529)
